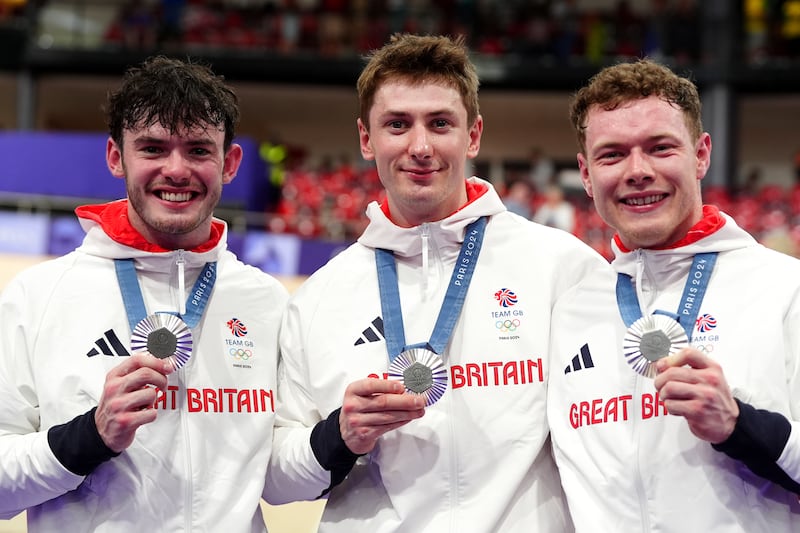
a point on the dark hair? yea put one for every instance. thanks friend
(175, 94)
(618, 84)
(417, 59)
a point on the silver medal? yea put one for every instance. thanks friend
(422, 372)
(164, 336)
(649, 339)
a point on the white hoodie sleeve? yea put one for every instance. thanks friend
(30, 472)
(294, 472)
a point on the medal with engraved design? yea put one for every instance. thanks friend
(422, 372)
(164, 336)
(649, 339)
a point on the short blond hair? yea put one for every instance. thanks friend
(417, 59)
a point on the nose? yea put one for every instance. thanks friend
(638, 168)
(176, 167)
(419, 145)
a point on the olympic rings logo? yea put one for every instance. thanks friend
(241, 354)
(705, 348)
(507, 325)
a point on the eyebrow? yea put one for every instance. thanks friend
(150, 139)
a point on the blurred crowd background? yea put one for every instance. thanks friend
(744, 55)
(571, 31)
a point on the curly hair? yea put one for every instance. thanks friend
(616, 85)
(175, 94)
(418, 59)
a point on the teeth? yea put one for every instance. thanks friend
(644, 201)
(176, 196)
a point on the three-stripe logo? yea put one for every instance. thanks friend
(581, 360)
(373, 333)
(108, 344)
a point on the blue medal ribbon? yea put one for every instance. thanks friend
(693, 293)
(134, 302)
(394, 331)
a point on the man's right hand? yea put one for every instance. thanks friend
(372, 407)
(129, 394)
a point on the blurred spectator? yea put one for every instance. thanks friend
(518, 198)
(556, 211)
(684, 38)
(628, 29)
(655, 29)
(566, 35)
(535, 29)
(171, 20)
(333, 32)
(542, 169)
(752, 182)
(135, 27)
(596, 29)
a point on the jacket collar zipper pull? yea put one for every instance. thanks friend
(181, 283)
(425, 236)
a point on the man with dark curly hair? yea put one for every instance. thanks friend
(137, 373)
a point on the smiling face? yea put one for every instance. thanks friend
(420, 140)
(174, 181)
(643, 170)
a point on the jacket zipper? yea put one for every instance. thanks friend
(637, 419)
(180, 262)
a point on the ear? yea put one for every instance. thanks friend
(475, 133)
(230, 166)
(703, 154)
(114, 159)
(584, 169)
(364, 141)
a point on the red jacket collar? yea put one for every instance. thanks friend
(113, 218)
(711, 222)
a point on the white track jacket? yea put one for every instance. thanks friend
(200, 466)
(479, 460)
(627, 465)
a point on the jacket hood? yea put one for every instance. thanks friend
(715, 232)
(482, 200)
(110, 234)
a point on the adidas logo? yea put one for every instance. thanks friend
(108, 344)
(374, 333)
(584, 357)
